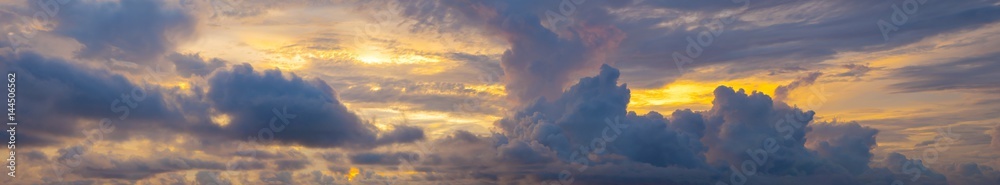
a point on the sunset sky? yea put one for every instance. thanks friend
(504, 91)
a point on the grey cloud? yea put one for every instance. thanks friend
(539, 61)
(702, 144)
(995, 134)
(135, 31)
(857, 70)
(382, 158)
(781, 93)
(315, 117)
(847, 144)
(291, 164)
(971, 173)
(977, 74)
(188, 65)
(63, 94)
(791, 42)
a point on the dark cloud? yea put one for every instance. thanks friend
(296, 111)
(786, 37)
(382, 158)
(401, 134)
(852, 151)
(67, 99)
(291, 164)
(134, 31)
(971, 173)
(975, 74)
(857, 70)
(188, 65)
(134, 168)
(211, 177)
(690, 147)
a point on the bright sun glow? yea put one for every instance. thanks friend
(353, 173)
(689, 93)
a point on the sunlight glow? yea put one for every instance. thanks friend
(353, 173)
(221, 119)
(292, 63)
(690, 93)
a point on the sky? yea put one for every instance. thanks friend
(504, 91)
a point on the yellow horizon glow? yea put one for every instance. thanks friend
(686, 93)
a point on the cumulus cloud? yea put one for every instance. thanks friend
(297, 111)
(687, 147)
(540, 61)
(852, 151)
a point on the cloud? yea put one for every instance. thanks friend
(975, 74)
(693, 147)
(781, 93)
(68, 98)
(120, 167)
(995, 134)
(857, 70)
(134, 31)
(291, 164)
(301, 112)
(540, 61)
(382, 158)
(971, 173)
(188, 65)
(847, 144)
(784, 33)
